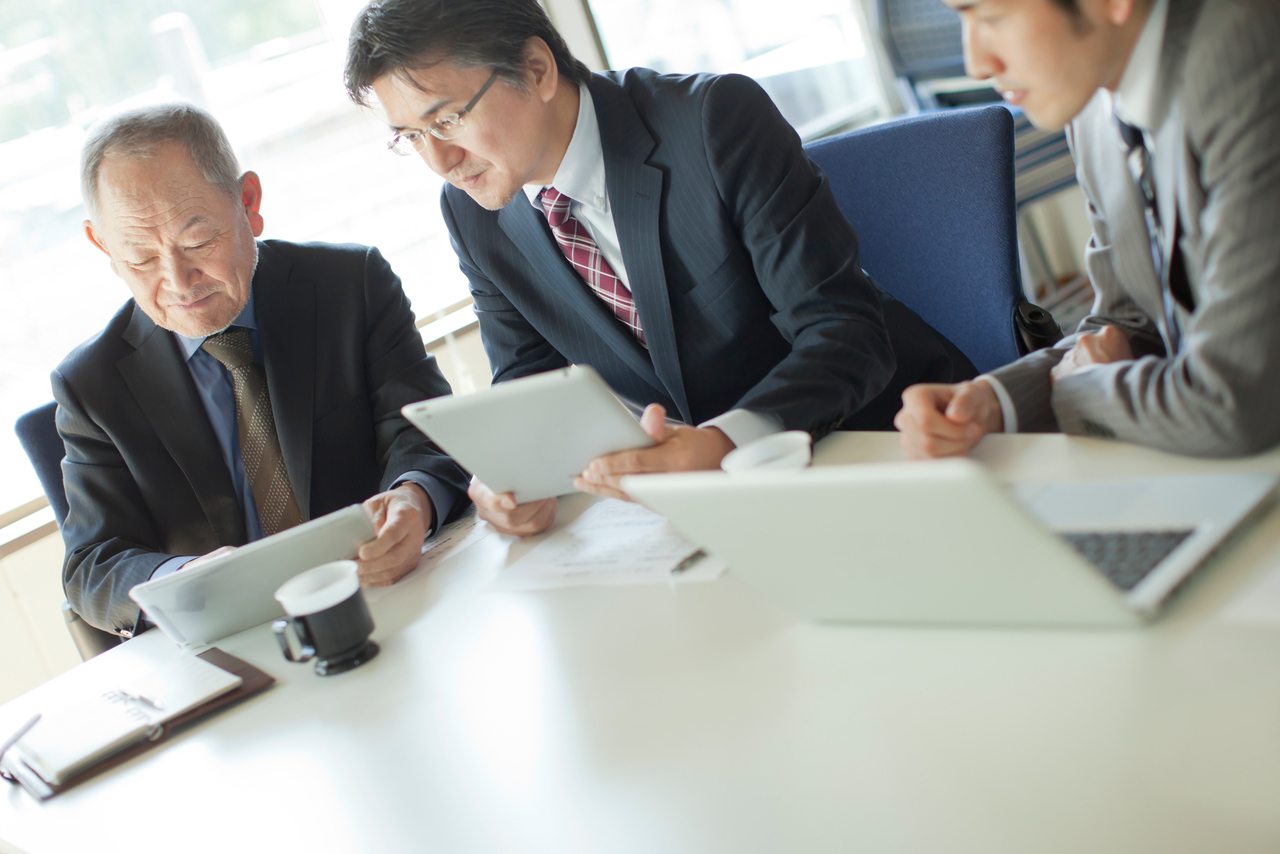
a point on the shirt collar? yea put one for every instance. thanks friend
(1135, 98)
(581, 172)
(246, 319)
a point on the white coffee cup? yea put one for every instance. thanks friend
(319, 588)
(791, 449)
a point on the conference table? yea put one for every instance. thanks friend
(702, 718)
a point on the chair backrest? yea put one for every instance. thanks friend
(931, 197)
(39, 437)
(922, 38)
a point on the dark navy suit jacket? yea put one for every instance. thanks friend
(144, 477)
(743, 269)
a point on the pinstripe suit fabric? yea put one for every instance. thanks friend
(744, 271)
(1217, 174)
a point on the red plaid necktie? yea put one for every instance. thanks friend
(584, 255)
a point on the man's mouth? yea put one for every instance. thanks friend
(467, 181)
(1013, 96)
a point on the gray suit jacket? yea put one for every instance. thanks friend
(743, 269)
(1217, 173)
(144, 478)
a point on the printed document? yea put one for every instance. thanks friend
(612, 542)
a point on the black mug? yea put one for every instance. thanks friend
(328, 617)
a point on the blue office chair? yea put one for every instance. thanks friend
(922, 39)
(931, 197)
(38, 435)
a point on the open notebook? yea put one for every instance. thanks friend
(70, 743)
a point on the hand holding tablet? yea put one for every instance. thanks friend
(529, 440)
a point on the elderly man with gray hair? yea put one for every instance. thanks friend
(247, 386)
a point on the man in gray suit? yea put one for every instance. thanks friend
(1176, 135)
(669, 231)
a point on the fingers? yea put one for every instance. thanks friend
(401, 523)
(502, 511)
(1109, 344)
(604, 489)
(940, 420)
(654, 422)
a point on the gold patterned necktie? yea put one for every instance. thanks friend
(259, 441)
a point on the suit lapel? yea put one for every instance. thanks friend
(286, 316)
(635, 199)
(556, 279)
(157, 375)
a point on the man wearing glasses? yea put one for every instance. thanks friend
(669, 231)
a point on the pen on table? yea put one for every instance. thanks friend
(13, 739)
(689, 561)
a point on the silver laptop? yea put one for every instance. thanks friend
(233, 592)
(942, 542)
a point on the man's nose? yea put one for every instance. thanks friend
(180, 273)
(980, 62)
(440, 155)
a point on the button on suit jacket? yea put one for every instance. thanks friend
(144, 476)
(744, 271)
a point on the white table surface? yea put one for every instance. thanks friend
(699, 718)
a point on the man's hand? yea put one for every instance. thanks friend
(1094, 348)
(500, 510)
(401, 517)
(947, 420)
(679, 448)
(218, 552)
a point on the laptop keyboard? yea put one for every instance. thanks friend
(1126, 557)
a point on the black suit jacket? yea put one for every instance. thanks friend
(144, 476)
(743, 269)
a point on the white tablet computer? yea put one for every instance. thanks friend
(534, 435)
(233, 592)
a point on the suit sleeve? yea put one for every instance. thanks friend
(1217, 396)
(1027, 380)
(110, 539)
(805, 256)
(513, 346)
(400, 372)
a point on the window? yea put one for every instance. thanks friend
(809, 55)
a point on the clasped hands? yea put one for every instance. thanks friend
(678, 448)
(940, 420)
(401, 518)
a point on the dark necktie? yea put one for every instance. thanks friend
(259, 441)
(1174, 288)
(585, 256)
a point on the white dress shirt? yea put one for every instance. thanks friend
(581, 177)
(1134, 101)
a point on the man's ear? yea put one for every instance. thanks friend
(541, 64)
(251, 198)
(96, 240)
(93, 236)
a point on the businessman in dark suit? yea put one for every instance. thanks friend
(669, 231)
(247, 386)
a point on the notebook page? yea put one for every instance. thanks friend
(168, 691)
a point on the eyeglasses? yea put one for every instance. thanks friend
(410, 141)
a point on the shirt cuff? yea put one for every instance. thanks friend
(743, 425)
(442, 499)
(172, 565)
(1006, 402)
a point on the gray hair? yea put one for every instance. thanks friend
(137, 133)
